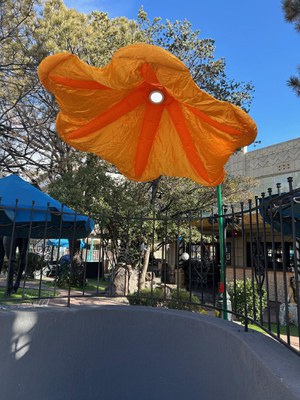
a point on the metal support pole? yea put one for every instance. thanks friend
(222, 287)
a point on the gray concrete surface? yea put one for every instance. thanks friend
(126, 352)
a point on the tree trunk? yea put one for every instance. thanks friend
(144, 268)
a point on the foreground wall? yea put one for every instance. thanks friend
(126, 352)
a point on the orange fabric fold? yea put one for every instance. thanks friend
(222, 127)
(77, 84)
(186, 140)
(148, 74)
(126, 105)
(150, 125)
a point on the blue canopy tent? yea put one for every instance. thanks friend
(26, 211)
(63, 243)
(58, 242)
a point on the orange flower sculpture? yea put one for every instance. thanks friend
(144, 114)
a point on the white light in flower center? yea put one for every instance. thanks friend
(156, 97)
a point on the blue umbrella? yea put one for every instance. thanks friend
(25, 208)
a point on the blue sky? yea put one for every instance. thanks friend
(253, 37)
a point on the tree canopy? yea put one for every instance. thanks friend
(32, 30)
(291, 10)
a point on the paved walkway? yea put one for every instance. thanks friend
(63, 294)
(89, 299)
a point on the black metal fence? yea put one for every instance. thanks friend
(166, 261)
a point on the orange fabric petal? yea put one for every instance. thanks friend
(78, 84)
(126, 105)
(107, 111)
(222, 127)
(186, 140)
(150, 124)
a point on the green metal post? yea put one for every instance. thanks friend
(222, 249)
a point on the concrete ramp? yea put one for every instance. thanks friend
(126, 352)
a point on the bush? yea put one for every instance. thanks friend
(254, 300)
(35, 263)
(178, 300)
(66, 277)
(182, 300)
(147, 298)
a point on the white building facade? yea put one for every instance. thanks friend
(270, 165)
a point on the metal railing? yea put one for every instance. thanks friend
(166, 261)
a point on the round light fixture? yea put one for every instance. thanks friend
(156, 97)
(185, 256)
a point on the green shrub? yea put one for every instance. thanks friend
(35, 262)
(182, 300)
(67, 277)
(254, 300)
(146, 297)
(178, 300)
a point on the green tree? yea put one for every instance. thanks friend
(30, 32)
(291, 10)
(128, 213)
(16, 74)
(198, 55)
